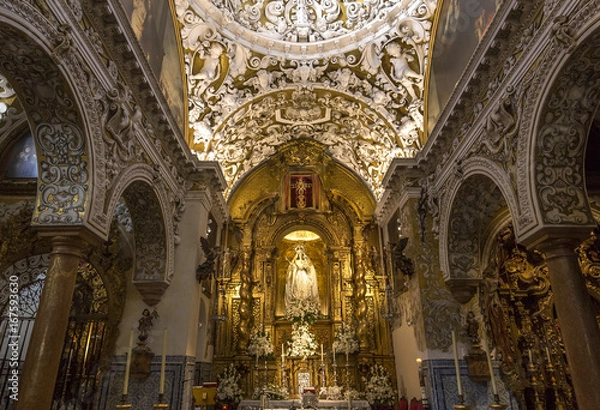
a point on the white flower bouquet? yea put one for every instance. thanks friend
(303, 342)
(379, 391)
(346, 340)
(229, 391)
(302, 310)
(274, 392)
(260, 343)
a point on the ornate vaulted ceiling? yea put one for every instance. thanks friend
(349, 74)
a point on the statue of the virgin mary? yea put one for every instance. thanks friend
(301, 278)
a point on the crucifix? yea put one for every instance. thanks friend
(300, 186)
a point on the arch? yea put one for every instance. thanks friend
(154, 247)
(478, 174)
(478, 208)
(314, 224)
(97, 304)
(42, 66)
(553, 151)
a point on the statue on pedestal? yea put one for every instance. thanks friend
(301, 278)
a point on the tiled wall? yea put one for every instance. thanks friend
(442, 391)
(143, 393)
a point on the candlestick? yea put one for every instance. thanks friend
(456, 366)
(496, 405)
(128, 364)
(334, 365)
(265, 378)
(160, 405)
(163, 363)
(489, 362)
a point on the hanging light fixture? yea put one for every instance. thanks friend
(390, 309)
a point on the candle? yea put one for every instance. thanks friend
(530, 357)
(333, 351)
(421, 380)
(321, 351)
(282, 355)
(128, 364)
(457, 368)
(548, 355)
(489, 362)
(163, 362)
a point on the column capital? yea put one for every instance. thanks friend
(556, 237)
(69, 240)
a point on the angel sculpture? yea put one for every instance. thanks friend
(145, 323)
(207, 268)
(401, 261)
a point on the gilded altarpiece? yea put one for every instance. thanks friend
(268, 230)
(516, 294)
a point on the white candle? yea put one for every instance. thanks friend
(321, 351)
(128, 364)
(456, 366)
(421, 381)
(163, 362)
(282, 355)
(489, 362)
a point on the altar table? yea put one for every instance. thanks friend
(297, 404)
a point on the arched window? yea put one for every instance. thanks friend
(20, 160)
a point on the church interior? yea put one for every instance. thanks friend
(283, 204)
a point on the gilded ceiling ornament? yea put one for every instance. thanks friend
(303, 20)
(261, 73)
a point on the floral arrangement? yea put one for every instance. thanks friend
(228, 386)
(346, 340)
(302, 310)
(274, 392)
(351, 394)
(378, 388)
(303, 341)
(260, 343)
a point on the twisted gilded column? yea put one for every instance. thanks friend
(360, 292)
(245, 301)
(36, 385)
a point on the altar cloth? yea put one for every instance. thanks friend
(297, 404)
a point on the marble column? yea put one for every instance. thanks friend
(36, 385)
(576, 317)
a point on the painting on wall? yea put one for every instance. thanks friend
(154, 27)
(461, 26)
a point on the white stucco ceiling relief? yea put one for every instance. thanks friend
(349, 74)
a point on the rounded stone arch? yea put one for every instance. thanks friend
(480, 202)
(153, 230)
(41, 64)
(563, 100)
